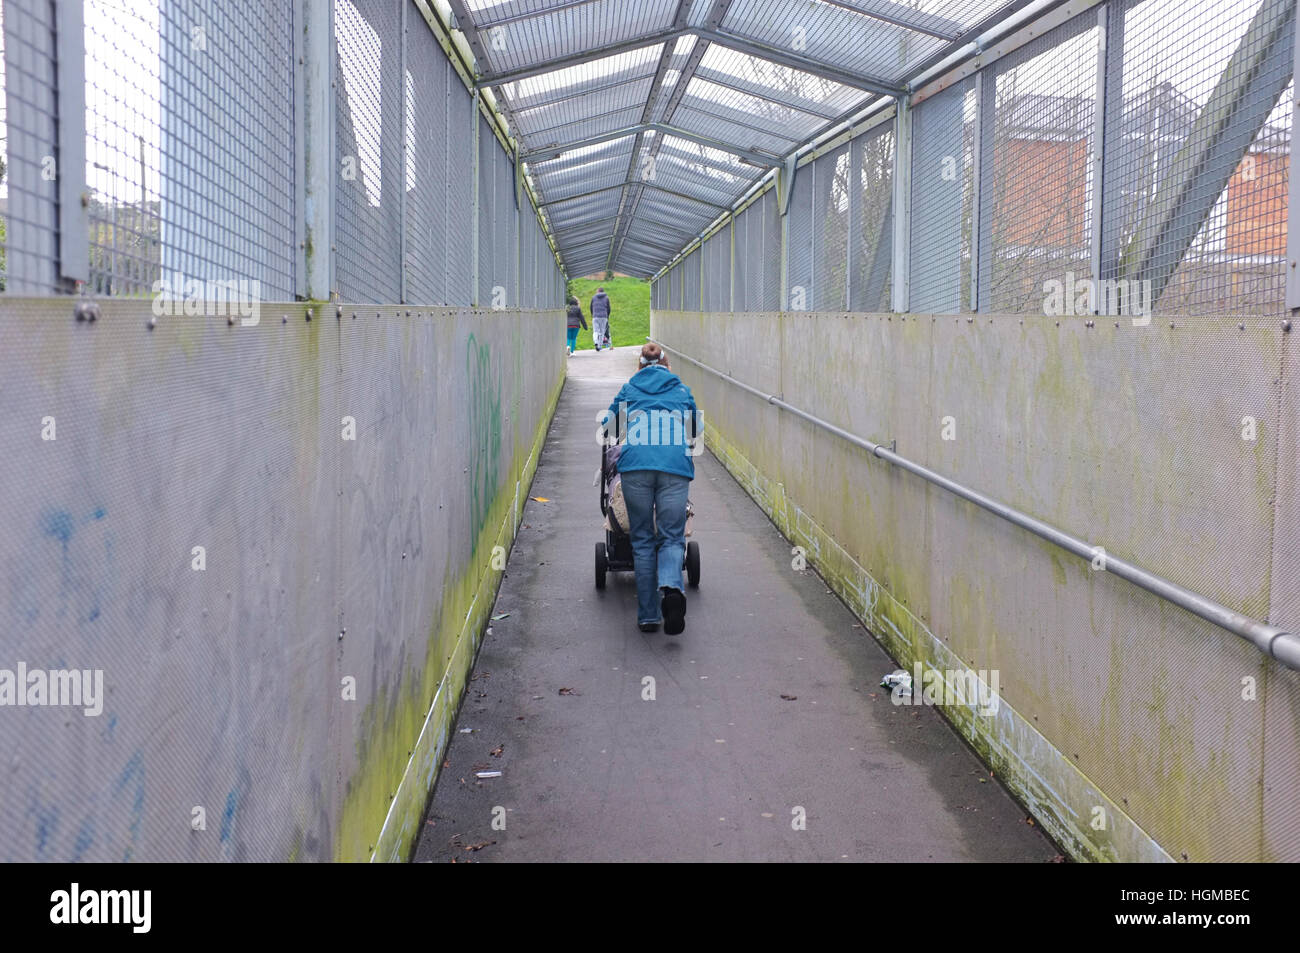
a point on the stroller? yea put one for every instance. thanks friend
(615, 553)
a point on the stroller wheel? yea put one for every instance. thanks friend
(602, 565)
(693, 564)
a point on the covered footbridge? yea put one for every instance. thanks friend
(987, 306)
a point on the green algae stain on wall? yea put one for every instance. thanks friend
(392, 724)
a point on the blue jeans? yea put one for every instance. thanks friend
(573, 338)
(653, 496)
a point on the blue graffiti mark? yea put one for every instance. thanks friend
(85, 838)
(110, 725)
(228, 816)
(47, 822)
(99, 513)
(58, 524)
(134, 771)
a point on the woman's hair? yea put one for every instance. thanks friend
(652, 353)
(572, 300)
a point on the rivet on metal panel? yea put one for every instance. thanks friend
(1241, 326)
(970, 320)
(284, 319)
(230, 320)
(1286, 325)
(309, 313)
(338, 313)
(1171, 324)
(1058, 324)
(152, 322)
(86, 311)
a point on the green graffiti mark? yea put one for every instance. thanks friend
(485, 431)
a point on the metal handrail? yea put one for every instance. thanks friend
(1270, 639)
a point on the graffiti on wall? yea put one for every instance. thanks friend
(485, 433)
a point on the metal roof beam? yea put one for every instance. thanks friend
(680, 19)
(576, 59)
(532, 14)
(730, 40)
(931, 24)
(759, 91)
(763, 160)
(648, 185)
(565, 94)
(717, 13)
(777, 55)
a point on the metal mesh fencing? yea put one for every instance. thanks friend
(800, 241)
(871, 233)
(428, 74)
(137, 160)
(1036, 175)
(506, 287)
(691, 281)
(1198, 132)
(1023, 198)
(942, 186)
(29, 233)
(371, 149)
(487, 210)
(830, 233)
(717, 270)
(461, 161)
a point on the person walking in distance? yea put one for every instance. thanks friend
(575, 321)
(600, 311)
(657, 413)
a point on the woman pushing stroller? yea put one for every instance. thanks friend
(657, 413)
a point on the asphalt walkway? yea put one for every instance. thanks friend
(767, 737)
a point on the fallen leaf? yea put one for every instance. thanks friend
(496, 752)
(569, 691)
(500, 616)
(790, 698)
(540, 499)
(486, 843)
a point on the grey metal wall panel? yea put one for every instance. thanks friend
(1129, 692)
(324, 558)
